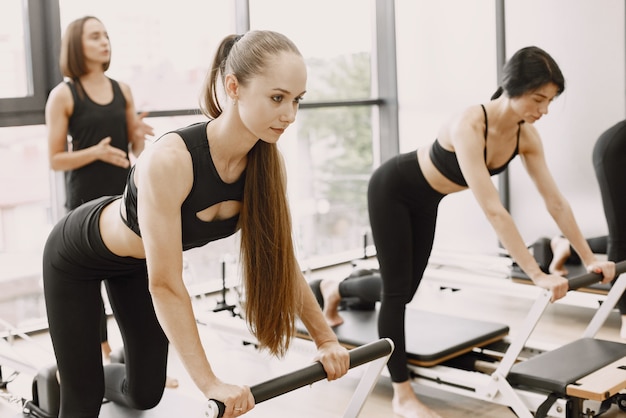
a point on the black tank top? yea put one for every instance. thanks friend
(207, 190)
(446, 162)
(89, 123)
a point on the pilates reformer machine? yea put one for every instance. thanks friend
(46, 392)
(377, 353)
(476, 359)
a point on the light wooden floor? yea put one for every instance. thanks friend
(241, 364)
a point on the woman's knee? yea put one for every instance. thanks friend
(141, 393)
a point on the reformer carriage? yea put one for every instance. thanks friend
(463, 356)
(477, 359)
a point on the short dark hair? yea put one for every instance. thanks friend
(527, 70)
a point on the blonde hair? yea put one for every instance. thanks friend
(270, 273)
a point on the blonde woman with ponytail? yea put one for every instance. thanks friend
(194, 185)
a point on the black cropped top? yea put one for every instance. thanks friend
(207, 190)
(446, 162)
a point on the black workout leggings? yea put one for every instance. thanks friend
(598, 245)
(403, 213)
(75, 262)
(365, 288)
(609, 162)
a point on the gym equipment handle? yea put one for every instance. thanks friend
(592, 278)
(306, 376)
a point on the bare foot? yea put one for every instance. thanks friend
(406, 404)
(106, 352)
(171, 383)
(332, 299)
(560, 253)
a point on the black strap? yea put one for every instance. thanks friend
(542, 411)
(486, 129)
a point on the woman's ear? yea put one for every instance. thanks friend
(231, 85)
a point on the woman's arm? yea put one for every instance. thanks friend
(334, 357)
(468, 141)
(164, 178)
(534, 160)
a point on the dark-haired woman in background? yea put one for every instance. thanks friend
(479, 142)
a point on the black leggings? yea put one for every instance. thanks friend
(365, 288)
(75, 262)
(104, 332)
(609, 162)
(403, 212)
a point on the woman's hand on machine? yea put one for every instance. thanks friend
(335, 359)
(556, 284)
(237, 399)
(605, 268)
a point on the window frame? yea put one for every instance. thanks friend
(43, 38)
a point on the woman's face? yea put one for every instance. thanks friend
(531, 106)
(96, 45)
(268, 104)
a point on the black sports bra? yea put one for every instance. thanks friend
(446, 162)
(208, 189)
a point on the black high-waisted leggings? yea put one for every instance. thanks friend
(403, 212)
(75, 262)
(609, 162)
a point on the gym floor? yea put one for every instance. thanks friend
(238, 363)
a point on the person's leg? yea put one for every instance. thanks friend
(609, 160)
(104, 335)
(598, 245)
(139, 382)
(365, 289)
(402, 210)
(561, 252)
(331, 301)
(73, 311)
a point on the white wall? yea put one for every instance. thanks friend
(446, 55)
(587, 40)
(447, 61)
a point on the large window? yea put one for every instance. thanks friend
(24, 222)
(22, 81)
(14, 69)
(163, 51)
(329, 152)
(446, 62)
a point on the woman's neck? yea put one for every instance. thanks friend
(501, 114)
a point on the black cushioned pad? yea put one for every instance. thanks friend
(573, 270)
(431, 337)
(554, 370)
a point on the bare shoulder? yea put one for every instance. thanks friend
(530, 140)
(165, 162)
(471, 116)
(168, 152)
(467, 121)
(60, 95)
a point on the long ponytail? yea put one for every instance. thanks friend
(270, 272)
